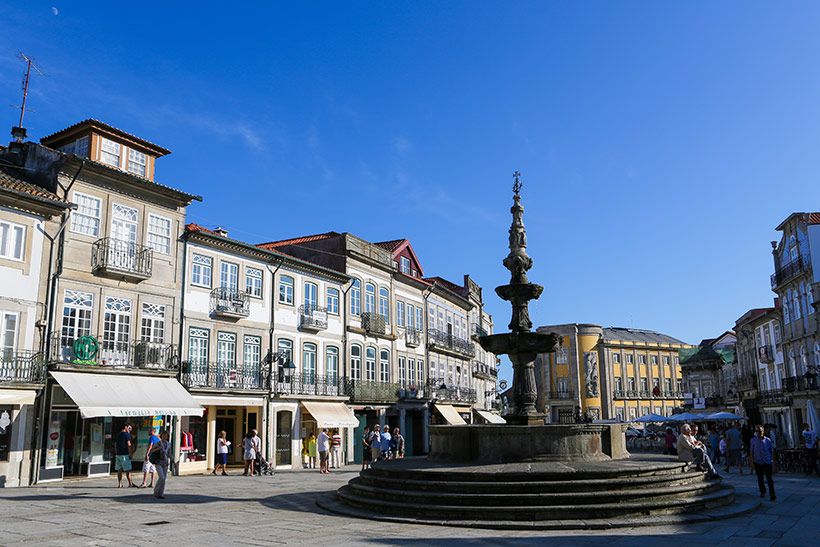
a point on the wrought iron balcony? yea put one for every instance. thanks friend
(114, 257)
(477, 330)
(231, 303)
(773, 397)
(482, 371)
(441, 339)
(807, 382)
(21, 367)
(788, 271)
(312, 318)
(110, 350)
(369, 391)
(413, 390)
(229, 376)
(374, 322)
(561, 395)
(309, 384)
(454, 394)
(412, 337)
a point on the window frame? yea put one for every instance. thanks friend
(332, 302)
(131, 160)
(201, 267)
(258, 281)
(356, 297)
(103, 151)
(149, 233)
(282, 284)
(75, 226)
(11, 241)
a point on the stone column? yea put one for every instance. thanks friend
(209, 454)
(425, 430)
(382, 412)
(402, 416)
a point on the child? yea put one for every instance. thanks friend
(722, 447)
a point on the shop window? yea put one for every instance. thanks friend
(193, 438)
(5, 432)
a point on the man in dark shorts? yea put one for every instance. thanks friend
(123, 447)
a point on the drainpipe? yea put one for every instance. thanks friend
(266, 413)
(344, 324)
(426, 295)
(175, 433)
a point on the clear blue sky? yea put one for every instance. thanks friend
(660, 143)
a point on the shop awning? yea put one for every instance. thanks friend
(331, 415)
(490, 417)
(17, 396)
(450, 414)
(216, 400)
(120, 395)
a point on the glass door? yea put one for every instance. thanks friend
(284, 437)
(122, 252)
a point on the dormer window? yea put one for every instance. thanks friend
(110, 152)
(136, 162)
(78, 147)
(405, 265)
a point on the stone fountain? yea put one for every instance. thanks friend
(526, 474)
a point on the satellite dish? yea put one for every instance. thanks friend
(502, 384)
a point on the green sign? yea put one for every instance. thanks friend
(85, 350)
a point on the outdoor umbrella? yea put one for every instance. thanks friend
(685, 417)
(651, 418)
(719, 416)
(811, 416)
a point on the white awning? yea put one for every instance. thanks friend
(490, 417)
(121, 395)
(331, 414)
(450, 414)
(216, 400)
(17, 396)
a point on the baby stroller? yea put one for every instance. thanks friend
(262, 467)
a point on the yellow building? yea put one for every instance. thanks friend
(609, 373)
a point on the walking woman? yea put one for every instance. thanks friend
(249, 446)
(160, 456)
(313, 451)
(222, 444)
(367, 455)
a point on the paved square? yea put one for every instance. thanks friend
(240, 510)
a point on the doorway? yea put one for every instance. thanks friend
(284, 437)
(226, 421)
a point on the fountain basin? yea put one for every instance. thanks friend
(522, 342)
(519, 291)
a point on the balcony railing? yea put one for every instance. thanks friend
(788, 271)
(412, 337)
(441, 339)
(482, 370)
(413, 390)
(454, 394)
(773, 397)
(224, 376)
(111, 256)
(369, 391)
(312, 318)
(110, 350)
(23, 367)
(801, 383)
(477, 330)
(561, 395)
(230, 302)
(374, 322)
(309, 384)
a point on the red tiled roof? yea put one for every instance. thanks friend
(17, 186)
(297, 240)
(193, 227)
(92, 123)
(458, 289)
(391, 245)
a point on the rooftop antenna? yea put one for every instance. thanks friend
(19, 132)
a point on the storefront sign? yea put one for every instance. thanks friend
(85, 350)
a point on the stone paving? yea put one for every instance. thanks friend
(236, 510)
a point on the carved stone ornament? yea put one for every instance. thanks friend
(591, 373)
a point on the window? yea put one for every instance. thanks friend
(419, 318)
(370, 364)
(8, 335)
(12, 240)
(665, 359)
(159, 234)
(116, 329)
(356, 297)
(402, 370)
(411, 314)
(136, 162)
(796, 307)
(285, 347)
(226, 350)
(384, 365)
(644, 384)
(629, 359)
(400, 313)
(252, 353)
(152, 328)
(77, 308)
(124, 228)
(653, 360)
(667, 385)
(630, 384)
(86, 218)
(201, 267)
(817, 354)
(356, 362)
(253, 281)
(332, 364)
(679, 384)
(333, 301)
(369, 298)
(286, 289)
(618, 384)
(311, 296)
(809, 300)
(616, 358)
(110, 152)
(786, 315)
(198, 346)
(563, 385)
(404, 265)
(419, 371)
(78, 147)
(641, 359)
(229, 276)
(309, 362)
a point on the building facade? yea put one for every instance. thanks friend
(707, 370)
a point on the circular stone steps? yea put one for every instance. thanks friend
(537, 495)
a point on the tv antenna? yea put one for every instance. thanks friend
(19, 132)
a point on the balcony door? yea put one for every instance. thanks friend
(229, 277)
(311, 297)
(122, 253)
(116, 331)
(225, 359)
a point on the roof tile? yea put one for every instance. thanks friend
(14, 184)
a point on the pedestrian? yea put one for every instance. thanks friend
(367, 453)
(734, 444)
(761, 451)
(222, 444)
(149, 468)
(714, 442)
(123, 448)
(692, 450)
(722, 447)
(323, 446)
(160, 456)
(809, 450)
(669, 443)
(398, 443)
(249, 448)
(336, 449)
(376, 442)
(312, 451)
(385, 442)
(771, 432)
(305, 452)
(257, 451)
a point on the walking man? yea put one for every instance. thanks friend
(734, 444)
(323, 444)
(761, 450)
(810, 450)
(336, 450)
(376, 442)
(123, 448)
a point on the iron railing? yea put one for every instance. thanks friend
(412, 390)
(309, 384)
(112, 350)
(230, 302)
(788, 271)
(807, 382)
(24, 367)
(370, 391)
(478, 330)
(441, 339)
(312, 318)
(224, 376)
(412, 337)
(109, 255)
(374, 322)
(454, 394)
(773, 397)
(482, 370)
(561, 395)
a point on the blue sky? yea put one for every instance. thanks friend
(660, 144)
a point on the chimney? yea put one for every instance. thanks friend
(18, 133)
(220, 231)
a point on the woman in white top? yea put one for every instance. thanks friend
(222, 444)
(249, 445)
